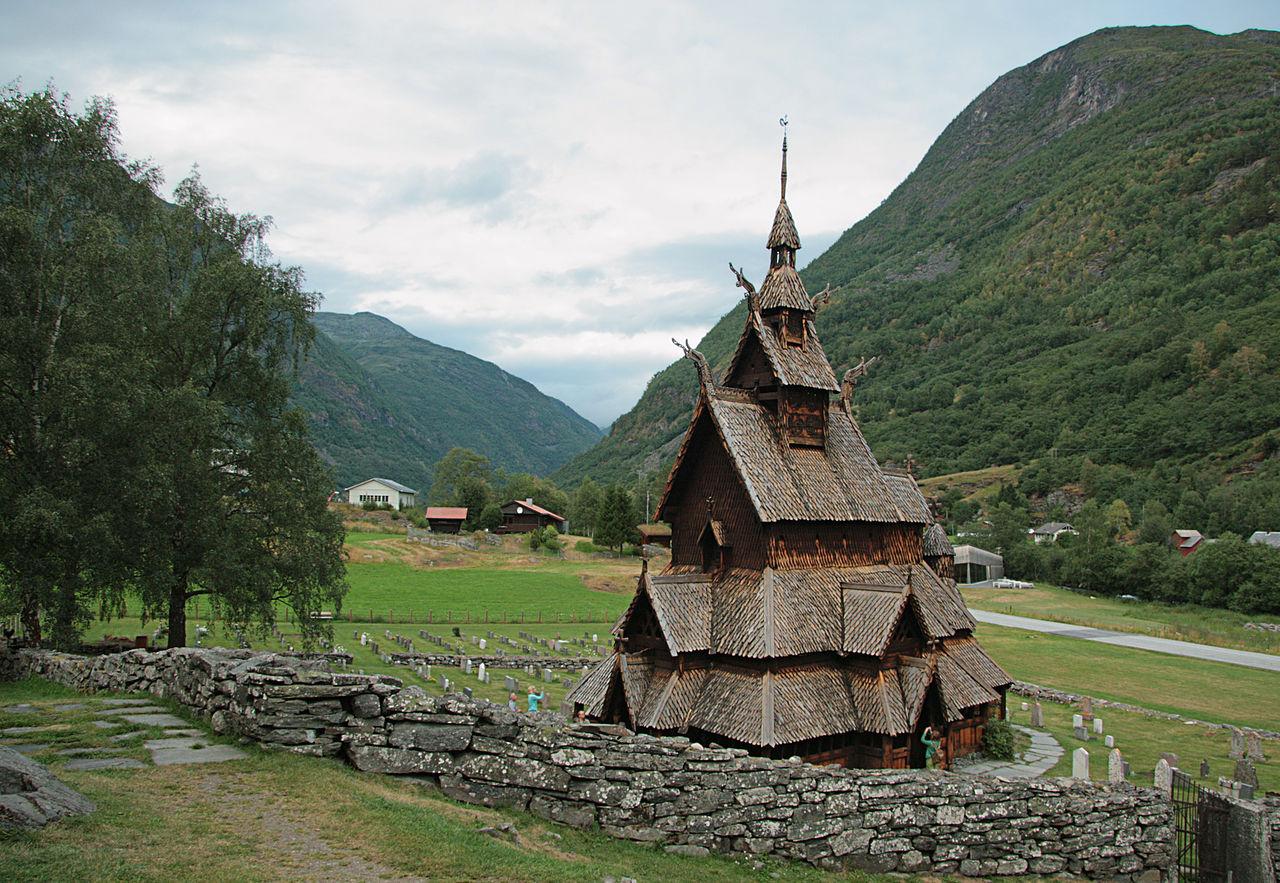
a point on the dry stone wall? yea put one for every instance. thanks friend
(664, 790)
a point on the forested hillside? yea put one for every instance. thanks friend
(1083, 271)
(380, 401)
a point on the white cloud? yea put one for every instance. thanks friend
(555, 187)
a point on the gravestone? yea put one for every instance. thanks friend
(595, 639)
(548, 675)
(484, 644)
(1110, 741)
(1170, 758)
(1080, 764)
(1115, 767)
(509, 684)
(1037, 715)
(467, 690)
(1245, 773)
(1164, 777)
(480, 672)
(1237, 744)
(1253, 751)
(1097, 725)
(444, 684)
(1025, 706)
(1127, 772)
(1204, 768)
(466, 666)
(1077, 721)
(1081, 733)
(1086, 708)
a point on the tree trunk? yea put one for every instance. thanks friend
(178, 613)
(31, 621)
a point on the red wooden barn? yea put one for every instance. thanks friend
(798, 615)
(446, 519)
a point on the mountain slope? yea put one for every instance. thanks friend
(1085, 261)
(380, 401)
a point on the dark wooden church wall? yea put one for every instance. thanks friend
(708, 472)
(804, 416)
(794, 544)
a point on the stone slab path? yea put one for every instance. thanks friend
(1037, 760)
(181, 743)
(1206, 652)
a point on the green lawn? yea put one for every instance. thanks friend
(1142, 740)
(278, 816)
(391, 587)
(1182, 622)
(1213, 691)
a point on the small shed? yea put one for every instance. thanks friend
(974, 565)
(655, 534)
(382, 491)
(1186, 541)
(523, 516)
(446, 519)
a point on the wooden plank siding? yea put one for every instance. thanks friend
(795, 544)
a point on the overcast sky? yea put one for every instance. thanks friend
(555, 187)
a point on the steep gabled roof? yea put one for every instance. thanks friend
(840, 482)
(534, 508)
(792, 366)
(593, 690)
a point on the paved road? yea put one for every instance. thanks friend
(1138, 642)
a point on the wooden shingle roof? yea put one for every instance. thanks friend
(783, 233)
(906, 493)
(775, 614)
(793, 366)
(841, 482)
(783, 288)
(593, 689)
(936, 544)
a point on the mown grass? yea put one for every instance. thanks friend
(276, 816)
(1142, 740)
(1214, 691)
(1182, 622)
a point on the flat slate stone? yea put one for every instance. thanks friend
(124, 737)
(172, 751)
(21, 709)
(22, 731)
(124, 701)
(154, 720)
(105, 763)
(107, 725)
(70, 706)
(29, 748)
(142, 709)
(169, 734)
(80, 752)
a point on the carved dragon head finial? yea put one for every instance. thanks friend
(850, 382)
(700, 362)
(822, 298)
(749, 290)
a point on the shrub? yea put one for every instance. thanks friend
(997, 740)
(585, 546)
(535, 540)
(395, 516)
(551, 539)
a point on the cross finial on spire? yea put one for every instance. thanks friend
(782, 121)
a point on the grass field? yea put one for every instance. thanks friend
(1182, 622)
(1142, 740)
(277, 816)
(1213, 691)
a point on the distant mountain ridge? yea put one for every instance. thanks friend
(1084, 263)
(381, 402)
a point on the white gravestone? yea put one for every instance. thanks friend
(1025, 706)
(1080, 764)
(1097, 725)
(1111, 741)
(1115, 767)
(483, 644)
(1077, 721)
(1164, 777)
(480, 672)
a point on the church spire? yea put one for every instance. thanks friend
(784, 241)
(784, 158)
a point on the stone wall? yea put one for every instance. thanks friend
(665, 791)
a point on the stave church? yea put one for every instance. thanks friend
(809, 608)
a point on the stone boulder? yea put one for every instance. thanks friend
(30, 796)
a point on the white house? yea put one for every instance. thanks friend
(1050, 531)
(383, 491)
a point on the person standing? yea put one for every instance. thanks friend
(511, 702)
(932, 745)
(534, 699)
